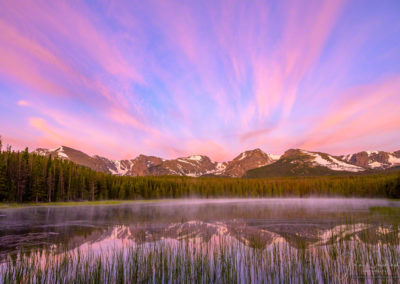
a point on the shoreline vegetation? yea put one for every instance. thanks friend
(4, 205)
(76, 203)
(222, 260)
(30, 178)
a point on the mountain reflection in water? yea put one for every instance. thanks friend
(254, 222)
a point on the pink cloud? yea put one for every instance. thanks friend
(174, 78)
(366, 110)
(27, 50)
(22, 103)
(23, 70)
(52, 135)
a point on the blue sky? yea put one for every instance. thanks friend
(174, 78)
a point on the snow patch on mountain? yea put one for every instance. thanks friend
(121, 169)
(62, 155)
(60, 152)
(394, 161)
(348, 157)
(332, 163)
(195, 158)
(373, 159)
(41, 151)
(242, 156)
(375, 165)
(54, 149)
(184, 161)
(219, 168)
(274, 157)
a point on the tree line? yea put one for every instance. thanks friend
(29, 177)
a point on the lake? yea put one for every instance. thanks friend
(217, 240)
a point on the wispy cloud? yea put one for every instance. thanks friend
(174, 78)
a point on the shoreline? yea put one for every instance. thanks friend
(138, 201)
(74, 203)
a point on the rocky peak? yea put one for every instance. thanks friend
(67, 153)
(140, 166)
(249, 154)
(195, 165)
(373, 159)
(198, 165)
(298, 154)
(247, 160)
(41, 151)
(319, 159)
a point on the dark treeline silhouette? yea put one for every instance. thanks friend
(28, 177)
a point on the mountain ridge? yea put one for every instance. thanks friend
(247, 164)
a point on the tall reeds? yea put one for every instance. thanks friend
(344, 258)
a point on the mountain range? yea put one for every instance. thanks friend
(252, 163)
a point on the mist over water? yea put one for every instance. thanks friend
(316, 236)
(45, 226)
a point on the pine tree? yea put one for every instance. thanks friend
(3, 180)
(82, 187)
(50, 179)
(122, 193)
(38, 182)
(103, 188)
(92, 190)
(60, 187)
(22, 174)
(69, 184)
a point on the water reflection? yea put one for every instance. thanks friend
(221, 241)
(300, 222)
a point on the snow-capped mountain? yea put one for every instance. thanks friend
(140, 166)
(248, 234)
(249, 163)
(373, 159)
(96, 163)
(297, 162)
(328, 161)
(195, 165)
(248, 160)
(198, 165)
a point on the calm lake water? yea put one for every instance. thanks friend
(312, 226)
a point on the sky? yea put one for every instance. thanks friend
(176, 78)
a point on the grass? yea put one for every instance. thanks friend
(344, 254)
(225, 261)
(383, 210)
(75, 203)
(368, 256)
